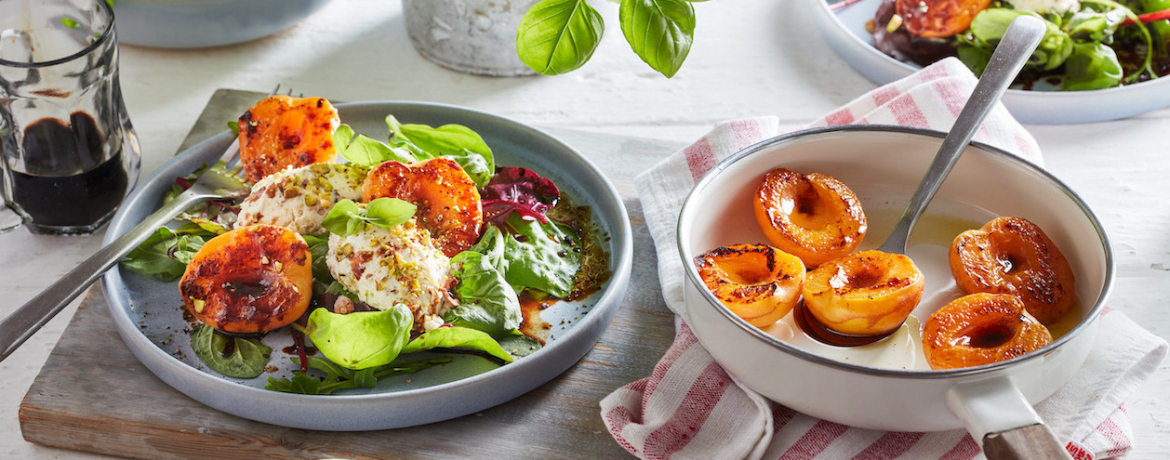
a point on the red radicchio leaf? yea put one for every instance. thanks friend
(517, 189)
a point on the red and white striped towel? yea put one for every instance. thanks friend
(690, 408)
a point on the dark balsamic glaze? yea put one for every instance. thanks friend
(51, 146)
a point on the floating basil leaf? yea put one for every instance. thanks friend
(231, 356)
(360, 340)
(659, 31)
(459, 338)
(486, 301)
(558, 36)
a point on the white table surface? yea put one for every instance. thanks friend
(750, 57)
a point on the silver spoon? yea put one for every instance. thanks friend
(1012, 52)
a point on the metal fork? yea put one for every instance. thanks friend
(26, 320)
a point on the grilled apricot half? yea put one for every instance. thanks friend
(980, 329)
(939, 18)
(757, 282)
(282, 132)
(812, 216)
(249, 280)
(448, 202)
(869, 293)
(1011, 255)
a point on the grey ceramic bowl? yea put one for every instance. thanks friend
(206, 23)
(148, 313)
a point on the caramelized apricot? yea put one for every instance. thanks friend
(448, 202)
(1011, 255)
(249, 280)
(280, 132)
(939, 18)
(814, 217)
(864, 294)
(757, 282)
(980, 329)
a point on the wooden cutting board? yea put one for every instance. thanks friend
(93, 395)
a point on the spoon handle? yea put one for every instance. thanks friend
(1013, 51)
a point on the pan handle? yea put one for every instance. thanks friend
(997, 413)
(1024, 443)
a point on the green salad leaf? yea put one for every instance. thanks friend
(165, 254)
(448, 140)
(989, 26)
(458, 338)
(340, 378)
(559, 36)
(360, 340)
(486, 301)
(361, 150)
(659, 31)
(541, 256)
(231, 356)
(346, 217)
(533, 255)
(1091, 66)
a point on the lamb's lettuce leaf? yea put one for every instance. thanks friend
(231, 356)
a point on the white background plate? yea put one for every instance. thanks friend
(845, 32)
(148, 313)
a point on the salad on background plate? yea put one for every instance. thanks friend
(1089, 44)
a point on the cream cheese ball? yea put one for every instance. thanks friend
(388, 265)
(299, 198)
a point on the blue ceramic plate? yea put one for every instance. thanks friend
(148, 313)
(845, 32)
(185, 24)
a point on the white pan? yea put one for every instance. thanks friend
(888, 386)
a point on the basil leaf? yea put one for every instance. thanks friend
(541, 256)
(344, 218)
(458, 337)
(659, 31)
(347, 217)
(447, 140)
(360, 340)
(558, 36)
(231, 356)
(486, 301)
(1091, 66)
(388, 212)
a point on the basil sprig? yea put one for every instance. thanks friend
(347, 218)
